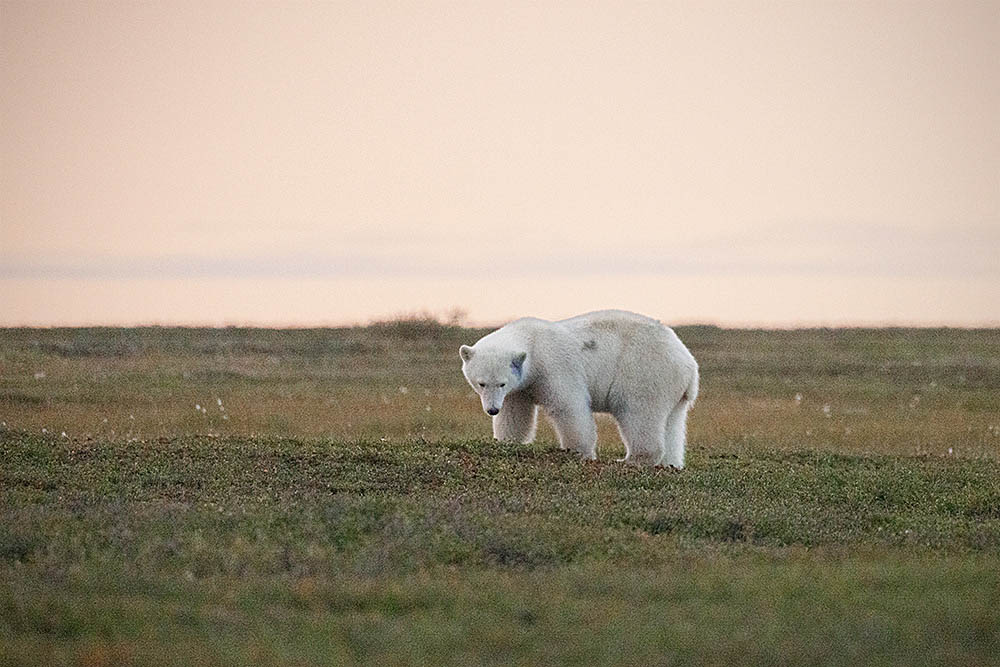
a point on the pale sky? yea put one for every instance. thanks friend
(739, 163)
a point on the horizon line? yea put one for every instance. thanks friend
(375, 321)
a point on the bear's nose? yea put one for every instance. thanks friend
(492, 411)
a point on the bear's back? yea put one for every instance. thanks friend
(616, 340)
(622, 324)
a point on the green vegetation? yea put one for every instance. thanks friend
(335, 500)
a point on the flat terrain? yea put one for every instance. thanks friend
(244, 496)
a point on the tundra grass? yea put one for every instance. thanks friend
(334, 500)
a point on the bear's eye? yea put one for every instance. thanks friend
(502, 383)
(482, 384)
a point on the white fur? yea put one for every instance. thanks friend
(610, 361)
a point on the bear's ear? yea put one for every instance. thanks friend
(465, 352)
(517, 363)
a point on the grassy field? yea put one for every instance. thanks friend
(242, 496)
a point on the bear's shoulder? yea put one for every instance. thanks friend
(516, 334)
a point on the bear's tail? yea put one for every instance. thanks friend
(691, 393)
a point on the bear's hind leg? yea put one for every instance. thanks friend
(576, 430)
(643, 438)
(675, 434)
(517, 421)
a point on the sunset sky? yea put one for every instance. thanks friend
(740, 163)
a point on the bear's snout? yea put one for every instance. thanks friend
(492, 411)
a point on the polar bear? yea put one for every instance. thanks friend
(610, 361)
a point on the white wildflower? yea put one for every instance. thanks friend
(39, 375)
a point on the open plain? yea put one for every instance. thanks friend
(332, 496)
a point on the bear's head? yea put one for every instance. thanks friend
(493, 373)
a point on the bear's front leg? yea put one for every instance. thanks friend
(517, 420)
(576, 429)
